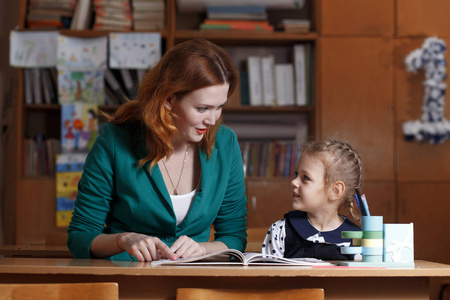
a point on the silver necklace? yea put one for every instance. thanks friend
(175, 188)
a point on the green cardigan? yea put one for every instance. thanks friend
(115, 195)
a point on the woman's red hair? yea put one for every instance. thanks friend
(186, 67)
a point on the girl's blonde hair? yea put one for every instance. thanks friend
(342, 163)
(187, 67)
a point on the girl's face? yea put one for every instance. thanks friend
(308, 187)
(198, 110)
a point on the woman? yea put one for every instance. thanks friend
(164, 169)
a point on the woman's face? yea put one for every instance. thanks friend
(198, 110)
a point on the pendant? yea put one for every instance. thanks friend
(175, 192)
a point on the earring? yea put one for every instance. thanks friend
(331, 197)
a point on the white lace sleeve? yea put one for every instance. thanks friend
(274, 241)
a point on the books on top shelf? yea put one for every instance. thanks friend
(189, 6)
(236, 12)
(241, 17)
(112, 15)
(49, 14)
(149, 14)
(82, 16)
(295, 25)
(236, 25)
(236, 257)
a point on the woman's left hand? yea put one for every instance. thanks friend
(184, 247)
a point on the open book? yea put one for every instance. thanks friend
(236, 257)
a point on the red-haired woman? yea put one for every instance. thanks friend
(164, 169)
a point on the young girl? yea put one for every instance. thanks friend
(326, 176)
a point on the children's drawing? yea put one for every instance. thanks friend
(134, 50)
(33, 49)
(81, 87)
(69, 168)
(432, 126)
(79, 54)
(79, 127)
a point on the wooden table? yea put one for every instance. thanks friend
(35, 251)
(143, 281)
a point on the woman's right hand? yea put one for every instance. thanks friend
(144, 247)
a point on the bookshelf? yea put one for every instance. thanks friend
(32, 218)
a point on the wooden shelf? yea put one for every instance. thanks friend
(234, 109)
(245, 38)
(269, 109)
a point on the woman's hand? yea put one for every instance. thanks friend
(145, 248)
(184, 247)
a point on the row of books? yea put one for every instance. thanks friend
(112, 15)
(269, 158)
(280, 84)
(50, 14)
(242, 17)
(49, 86)
(96, 14)
(39, 156)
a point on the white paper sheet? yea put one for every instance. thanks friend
(134, 50)
(33, 49)
(81, 54)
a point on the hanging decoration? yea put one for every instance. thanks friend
(432, 126)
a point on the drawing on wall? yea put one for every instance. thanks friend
(81, 87)
(79, 127)
(32, 49)
(432, 125)
(81, 54)
(134, 50)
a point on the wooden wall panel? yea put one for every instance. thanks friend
(381, 200)
(422, 18)
(357, 99)
(416, 161)
(36, 216)
(357, 17)
(267, 200)
(427, 205)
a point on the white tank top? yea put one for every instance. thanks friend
(181, 205)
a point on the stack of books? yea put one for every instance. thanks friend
(253, 18)
(280, 84)
(50, 14)
(149, 14)
(295, 26)
(112, 15)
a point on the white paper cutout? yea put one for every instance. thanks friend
(81, 54)
(33, 49)
(134, 50)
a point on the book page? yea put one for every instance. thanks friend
(227, 256)
(235, 257)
